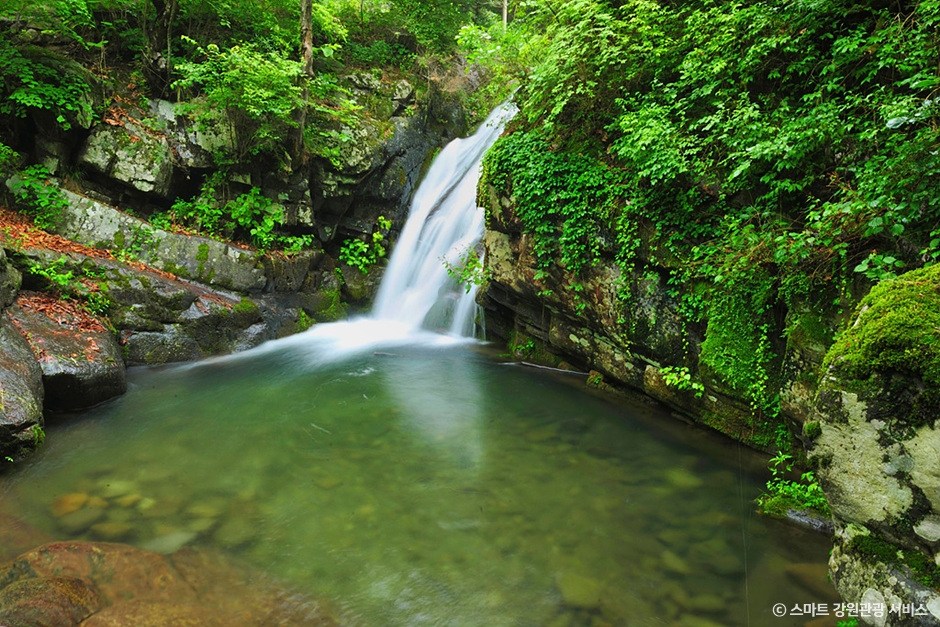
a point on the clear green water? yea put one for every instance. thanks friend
(430, 488)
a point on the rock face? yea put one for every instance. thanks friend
(80, 359)
(208, 261)
(583, 320)
(10, 279)
(131, 155)
(879, 436)
(21, 394)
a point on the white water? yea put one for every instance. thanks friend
(418, 303)
(444, 226)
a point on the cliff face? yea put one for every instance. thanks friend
(641, 341)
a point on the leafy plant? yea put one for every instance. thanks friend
(362, 255)
(680, 378)
(41, 197)
(470, 271)
(783, 494)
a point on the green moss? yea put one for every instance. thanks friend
(812, 430)
(898, 330)
(179, 271)
(875, 549)
(334, 310)
(303, 322)
(202, 254)
(246, 306)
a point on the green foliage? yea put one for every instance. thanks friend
(363, 255)
(39, 195)
(680, 378)
(55, 273)
(784, 494)
(257, 93)
(304, 322)
(9, 159)
(470, 271)
(34, 80)
(874, 548)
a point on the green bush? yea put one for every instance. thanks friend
(39, 195)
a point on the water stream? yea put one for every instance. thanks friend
(415, 479)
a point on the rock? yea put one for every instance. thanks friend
(10, 280)
(579, 590)
(674, 563)
(81, 365)
(80, 520)
(682, 479)
(169, 542)
(112, 531)
(131, 155)
(205, 260)
(235, 532)
(17, 537)
(161, 614)
(194, 144)
(929, 528)
(114, 488)
(22, 393)
(49, 601)
(68, 503)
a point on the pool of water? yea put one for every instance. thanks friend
(431, 486)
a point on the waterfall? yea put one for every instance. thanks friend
(417, 298)
(444, 226)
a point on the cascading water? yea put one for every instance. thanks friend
(417, 298)
(444, 226)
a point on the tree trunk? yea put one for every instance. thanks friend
(306, 58)
(159, 63)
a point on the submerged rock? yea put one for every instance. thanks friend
(59, 601)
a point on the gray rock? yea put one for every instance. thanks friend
(194, 143)
(208, 261)
(170, 345)
(21, 394)
(80, 367)
(10, 280)
(131, 155)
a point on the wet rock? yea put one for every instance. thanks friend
(68, 503)
(157, 614)
(48, 602)
(674, 563)
(169, 542)
(119, 572)
(130, 155)
(81, 365)
(113, 488)
(112, 531)
(17, 537)
(578, 590)
(79, 521)
(235, 532)
(814, 578)
(21, 383)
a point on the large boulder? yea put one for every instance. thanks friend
(877, 438)
(21, 395)
(194, 144)
(80, 359)
(208, 261)
(113, 585)
(131, 155)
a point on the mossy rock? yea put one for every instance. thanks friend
(897, 331)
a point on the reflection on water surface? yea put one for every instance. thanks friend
(432, 487)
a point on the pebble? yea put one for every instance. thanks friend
(674, 563)
(201, 525)
(578, 590)
(204, 510)
(328, 483)
(113, 488)
(129, 500)
(97, 501)
(169, 542)
(68, 503)
(77, 522)
(112, 531)
(682, 479)
(235, 532)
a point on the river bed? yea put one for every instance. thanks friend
(429, 486)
